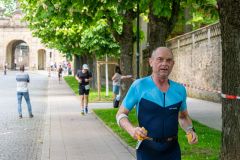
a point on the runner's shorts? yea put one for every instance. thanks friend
(82, 90)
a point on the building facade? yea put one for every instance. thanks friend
(18, 46)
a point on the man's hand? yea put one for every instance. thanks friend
(139, 133)
(192, 137)
(86, 80)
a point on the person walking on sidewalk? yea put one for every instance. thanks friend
(83, 77)
(160, 105)
(5, 68)
(23, 79)
(60, 70)
(117, 77)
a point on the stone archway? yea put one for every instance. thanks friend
(17, 54)
(41, 59)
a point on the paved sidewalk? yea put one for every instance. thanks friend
(71, 136)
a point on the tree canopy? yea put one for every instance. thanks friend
(96, 26)
(67, 28)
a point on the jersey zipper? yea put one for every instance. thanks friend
(164, 95)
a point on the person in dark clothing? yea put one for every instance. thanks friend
(5, 69)
(160, 105)
(60, 70)
(83, 77)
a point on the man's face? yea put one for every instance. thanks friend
(84, 70)
(162, 63)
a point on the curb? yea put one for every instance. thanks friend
(46, 138)
(131, 150)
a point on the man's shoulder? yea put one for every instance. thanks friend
(144, 79)
(22, 77)
(117, 74)
(178, 86)
(22, 74)
(142, 82)
(79, 71)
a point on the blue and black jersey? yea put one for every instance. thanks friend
(157, 112)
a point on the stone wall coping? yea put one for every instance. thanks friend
(192, 32)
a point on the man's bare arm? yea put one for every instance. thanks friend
(184, 120)
(135, 132)
(186, 124)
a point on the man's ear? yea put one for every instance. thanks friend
(150, 62)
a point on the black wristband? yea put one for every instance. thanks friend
(193, 129)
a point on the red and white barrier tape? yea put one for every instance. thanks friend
(226, 96)
(201, 88)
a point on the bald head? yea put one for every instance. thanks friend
(161, 49)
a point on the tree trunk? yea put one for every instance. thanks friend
(126, 46)
(125, 40)
(158, 32)
(229, 12)
(79, 60)
(92, 62)
(77, 64)
(160, 27)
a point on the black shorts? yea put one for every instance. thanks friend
(82, 90)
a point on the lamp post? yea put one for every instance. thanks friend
(138, 41)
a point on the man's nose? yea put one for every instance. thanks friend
(165, 62)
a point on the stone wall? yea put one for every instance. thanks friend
(198, 62)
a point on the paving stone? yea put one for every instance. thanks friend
(21, 139)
